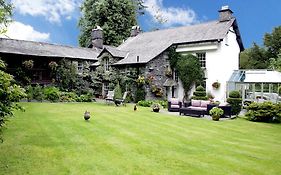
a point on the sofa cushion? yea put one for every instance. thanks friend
(204, 103)
(196, 103)
(174, 101)
(223, 104)
(197, 108)
(175, 106)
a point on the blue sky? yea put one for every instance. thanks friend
(55, 21)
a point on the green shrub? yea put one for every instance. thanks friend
(145, 103)
(148, 103)
(85, 98)
(199, 94)
(216, 112)
(29, 92)
(200, 88)
(140, 94)
(68, 97)
(235, 101)
(117, 92)
(236, 105)
(234, 94)
(38, 93)
(264, 112)
(52, 94)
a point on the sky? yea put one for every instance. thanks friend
(56, 21)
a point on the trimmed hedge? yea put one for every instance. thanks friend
(264, 112)
(235, 101)
(199, 94)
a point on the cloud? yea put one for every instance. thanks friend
(17, 30)
(52, 10)
(169, 16)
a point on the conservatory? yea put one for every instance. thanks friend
(256, 85)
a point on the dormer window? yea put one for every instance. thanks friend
(202, 59)
(106, 64)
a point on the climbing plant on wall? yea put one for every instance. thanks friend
(188, 67)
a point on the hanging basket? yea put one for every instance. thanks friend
(216, 85)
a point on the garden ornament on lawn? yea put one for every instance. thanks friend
(135, 108)
(87, 115)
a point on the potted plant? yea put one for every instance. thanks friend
(216, 113)
(216, 85)
(155, 107)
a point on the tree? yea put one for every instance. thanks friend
(66, 75)
(272, 41)
(189, 71)
(254, 58)
(275, 63)
(9, 94)
(5, 14)
(115, 17)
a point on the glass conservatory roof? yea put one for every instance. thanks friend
(256, 76)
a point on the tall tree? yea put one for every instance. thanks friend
(116, 18)
(5, 14)
(254, 58)
(272, 41)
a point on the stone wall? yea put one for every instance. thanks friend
(157, 69)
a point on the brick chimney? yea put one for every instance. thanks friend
(135, 31)
(225, 14)
(97, 37)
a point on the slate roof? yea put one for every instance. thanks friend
(46, 50)
(148, 45)
(114, 51)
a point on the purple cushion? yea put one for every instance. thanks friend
(196, 103)
(204, 103)
(174, 101)
(175, 106)
(197, 108)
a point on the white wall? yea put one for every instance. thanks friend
(221, 59)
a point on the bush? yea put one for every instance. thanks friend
(117, 92)
(264, 112)
(145, 103)
(68, 97)
(236, 105)
(234, 94)
(148, 103)
(52, 94)
(199, 94)
(29, 92)
(38, 93)
(85, 98)
(140, 94)
(235, 101)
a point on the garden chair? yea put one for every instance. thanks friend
(109, 97)
(121, 101)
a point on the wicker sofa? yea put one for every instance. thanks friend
(195, 108)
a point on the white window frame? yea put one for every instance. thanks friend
(80, 66)
(202, 59)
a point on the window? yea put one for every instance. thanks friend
(106, 64)
(202, 59)
(80, 67)
(175, 76)
(105, 87)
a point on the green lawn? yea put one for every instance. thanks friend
(53, 138)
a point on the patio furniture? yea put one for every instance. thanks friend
(174, 105)
(195, 108)
(121, 101)
(109, 97)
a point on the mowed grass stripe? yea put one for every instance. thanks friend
(53, 138)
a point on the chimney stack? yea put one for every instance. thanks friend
(135, 31)
(225, 14)
(97, 37)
